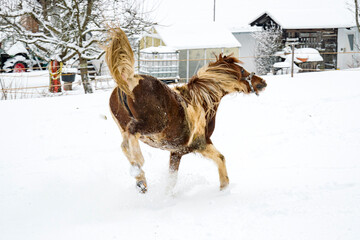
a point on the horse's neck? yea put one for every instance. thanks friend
(209, 110)
(213, 109)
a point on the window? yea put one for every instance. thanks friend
(351, 41)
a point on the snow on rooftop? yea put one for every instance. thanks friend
(282, 65)
(310, 54)
(312, 18)
(18, 47)
(160, 49)
(197, 36)
(244, 29)
(300, 55)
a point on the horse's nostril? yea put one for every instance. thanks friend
(261, 85)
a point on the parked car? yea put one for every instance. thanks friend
(19, 59)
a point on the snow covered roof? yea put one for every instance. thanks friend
(309, 19)
(245, 29)
(160, 49)
(282, 65)
(196, 36)
(308, 55)
(300, 55)
(18, 47)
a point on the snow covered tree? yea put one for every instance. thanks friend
(69, 29)
(357, 20)
(354, 8)
(357, 14)
(268, 42)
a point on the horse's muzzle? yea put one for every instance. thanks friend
(260, 86)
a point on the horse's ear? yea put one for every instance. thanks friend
(220, 57)
(231, 59)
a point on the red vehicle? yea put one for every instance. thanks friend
(19, 59)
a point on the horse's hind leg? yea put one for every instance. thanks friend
(132, 151)
(175, 158)
(212, 153)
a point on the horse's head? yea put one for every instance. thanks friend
(253, 83)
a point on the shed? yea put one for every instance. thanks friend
(197, 43)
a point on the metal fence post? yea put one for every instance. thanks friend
(292, 59)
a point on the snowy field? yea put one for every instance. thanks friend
(293, 158)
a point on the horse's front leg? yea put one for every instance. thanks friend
(132, 151)
(212, 153)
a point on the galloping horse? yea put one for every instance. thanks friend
(180, 120)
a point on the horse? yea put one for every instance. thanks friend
(180, 120)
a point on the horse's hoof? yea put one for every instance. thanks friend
(141, 185)
(224, 184)
(223, 187)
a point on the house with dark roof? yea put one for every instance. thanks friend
(332, 33)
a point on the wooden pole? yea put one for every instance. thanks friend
(214, 9)
(204, 56)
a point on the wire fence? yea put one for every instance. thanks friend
(37, 83)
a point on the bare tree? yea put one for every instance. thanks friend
(70, 28)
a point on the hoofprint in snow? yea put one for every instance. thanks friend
(292, 157)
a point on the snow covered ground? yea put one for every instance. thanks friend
(292, 156)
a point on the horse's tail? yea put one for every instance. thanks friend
(120, 59)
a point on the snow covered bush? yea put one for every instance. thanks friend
(267, 43)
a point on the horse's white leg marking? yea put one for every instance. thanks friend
(173, 169)
(131, 148)
(212, 153)
(132, 151)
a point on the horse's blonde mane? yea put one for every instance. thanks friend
(211, 83)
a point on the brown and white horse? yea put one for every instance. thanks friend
(179, 120)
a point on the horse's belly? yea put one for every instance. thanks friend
(158, 141)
